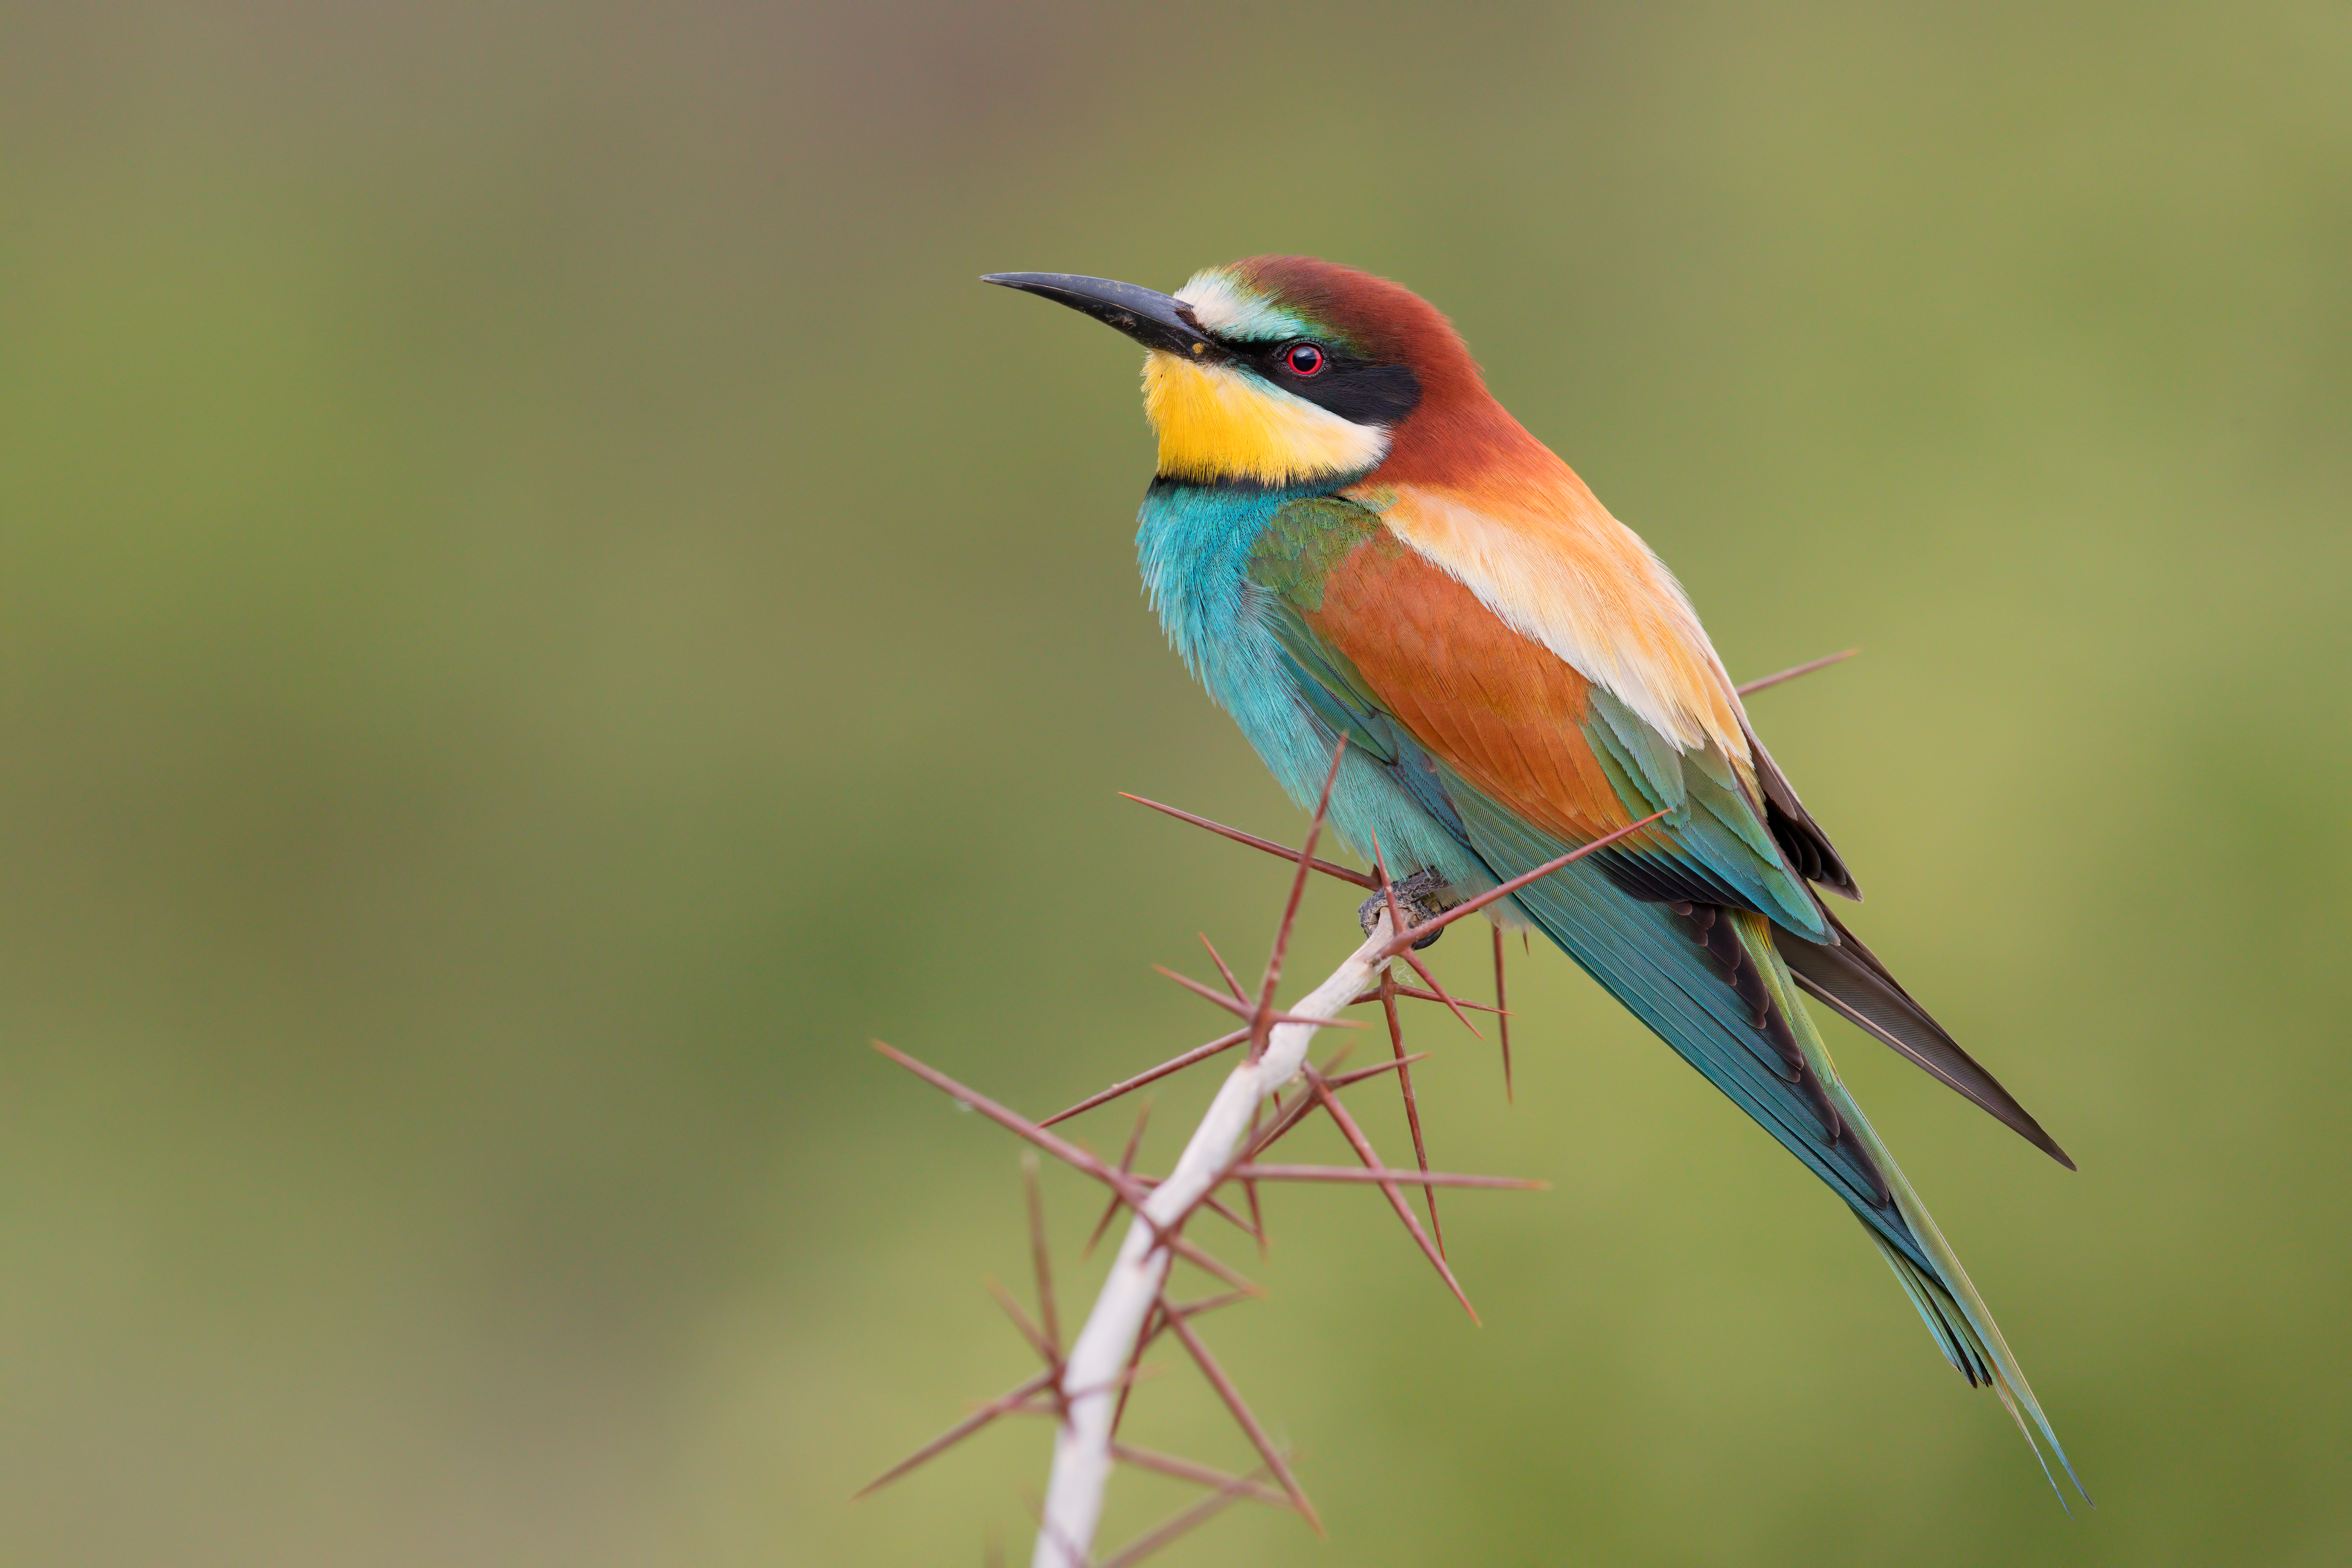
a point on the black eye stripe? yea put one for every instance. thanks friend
(1357, 390)
(1359, 393)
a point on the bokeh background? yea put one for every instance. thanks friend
(543, 606)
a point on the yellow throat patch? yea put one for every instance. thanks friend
(1219, 422)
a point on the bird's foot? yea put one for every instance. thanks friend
(1421, 898)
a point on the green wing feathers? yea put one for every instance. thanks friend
(1706, 928)
(1947, 1299)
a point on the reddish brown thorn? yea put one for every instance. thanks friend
(1411, 1108)
(1232, 983)
(1037, 1254)
(1123, 1380)
(1249, 1189)
(1504, 1016)
(1265, 1019)
(1129, 1086)
(1207, 1200)
(1071, 1556)
(1060, 1148)
(1238, 836)
(1127, 1165)
(1422, 970)
(1304, 1105)
(957, 1432)
(1244, 1010)
(1186, 1470)
(1342, 1081)
(1381, 1177)
(1210, 1303)
(1256, 1143)
(1472, 906)
(1794, 670)
(1037, 1407)
(1404, 946)
(1387, 887)
(1209, 1264)
(1240, 1412)
(1223, 1212)
(1155, 1323)
(1046, 1350)
(1186, 1519)
(1240, 1006)
(1416, 993)
(1290, 1118)
(1148, 1332)
(1363, 1147)
(1299, 1107)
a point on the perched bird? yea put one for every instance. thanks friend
(1347, 537)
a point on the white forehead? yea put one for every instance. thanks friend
(1225, 307)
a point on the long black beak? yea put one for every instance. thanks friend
(1151, 318)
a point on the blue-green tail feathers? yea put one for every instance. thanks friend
(1642, 954)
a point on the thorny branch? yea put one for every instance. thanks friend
(1086, 1389)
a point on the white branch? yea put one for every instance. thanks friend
(1094, 1372)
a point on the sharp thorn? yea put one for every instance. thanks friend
(1029, 1331)
(1232, 983)
(1422, 970)
(1143, 1338)
(1188, 1519)
(957, 1432)
(1472, 906)
(1060, 1148)
(1210, 1203)
(1359, 878)
(1051, 1323)
(1209, 1263)
(1404, 1087)
(1342, 1080)
(1127, 1165)
(1265, 1019)
(1363, 1147)
(1241, 1414)
(1249, 1189)
(1504, 1017)
(1416, 993)
(1243, 1009)
(1382, 1177)
(1794, 670)
(1129, 1086)
(1186, 1470)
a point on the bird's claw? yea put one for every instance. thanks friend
(1421, 898)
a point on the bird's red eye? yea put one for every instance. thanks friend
(1304, 359)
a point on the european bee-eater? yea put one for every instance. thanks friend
(1347, 537)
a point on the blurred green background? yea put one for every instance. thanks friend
(543, 606)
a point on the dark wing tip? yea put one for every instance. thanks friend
(1848, 977)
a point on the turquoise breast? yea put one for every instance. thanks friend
(1194, 543)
